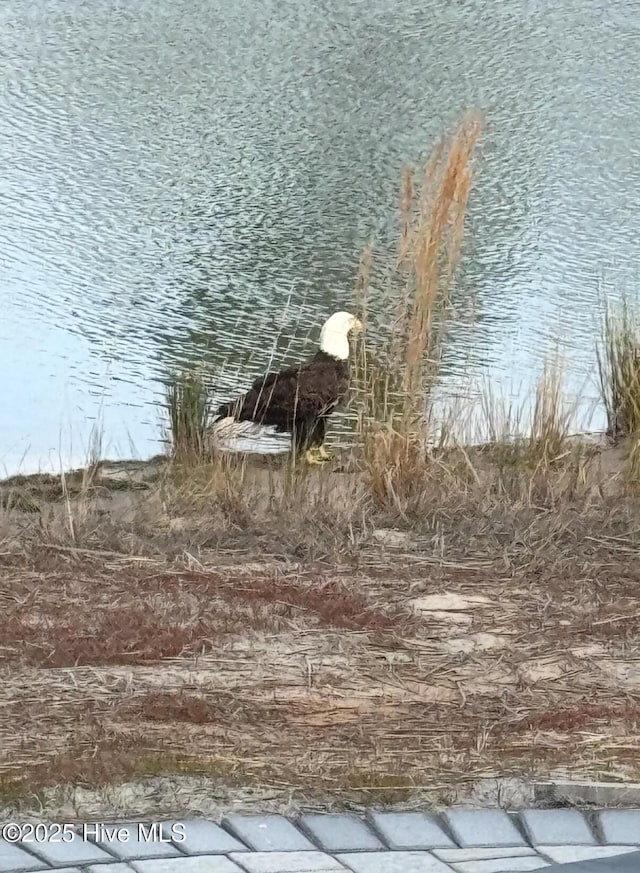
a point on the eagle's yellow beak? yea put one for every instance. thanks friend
(356, 327)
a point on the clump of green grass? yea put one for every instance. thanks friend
(378, 789)
(16, 793)
(619, 371)
(189, 408)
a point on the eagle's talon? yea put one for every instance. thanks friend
(314, 457)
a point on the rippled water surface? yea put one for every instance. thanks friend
(193, 180)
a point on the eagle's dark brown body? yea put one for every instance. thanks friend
(297, 400)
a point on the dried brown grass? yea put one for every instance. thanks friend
(393, 384)
(432, 225)
(408, 450)
(333, 676)
(296, 673)
(432, 215)
(140, 615)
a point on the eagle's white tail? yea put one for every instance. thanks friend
(228, 428)
(229, 435)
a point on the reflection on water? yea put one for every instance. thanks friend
(193, 180)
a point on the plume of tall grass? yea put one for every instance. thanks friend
(393, 383)
(189, 409)
(431, 226)
(432, 217)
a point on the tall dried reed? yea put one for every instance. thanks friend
(432, 224)
(393, 383)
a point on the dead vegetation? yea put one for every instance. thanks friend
(423, 609)
(485, 644)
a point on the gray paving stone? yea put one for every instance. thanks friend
(76, 851)
(454, 855)
(337, 832)
(393, 862)
(557, 827)
(268, 833)
(203, 838)
(286, 862)
(199, 864)
(134, 846)
(499, 865)
(569, 854)
(483, 827)
(620, 826)
(12, 857)
(409, 830)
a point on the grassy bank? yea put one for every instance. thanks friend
(417, 616)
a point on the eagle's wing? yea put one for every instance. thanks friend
(271, 399)
(308, 390)
(320, 388)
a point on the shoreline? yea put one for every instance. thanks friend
(124, 468)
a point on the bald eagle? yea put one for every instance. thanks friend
(300, 399)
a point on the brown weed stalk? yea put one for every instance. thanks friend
(392, 386)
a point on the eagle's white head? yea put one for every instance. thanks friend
(334, 336)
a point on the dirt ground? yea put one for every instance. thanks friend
(411, 661)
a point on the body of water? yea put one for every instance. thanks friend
(193, 181)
